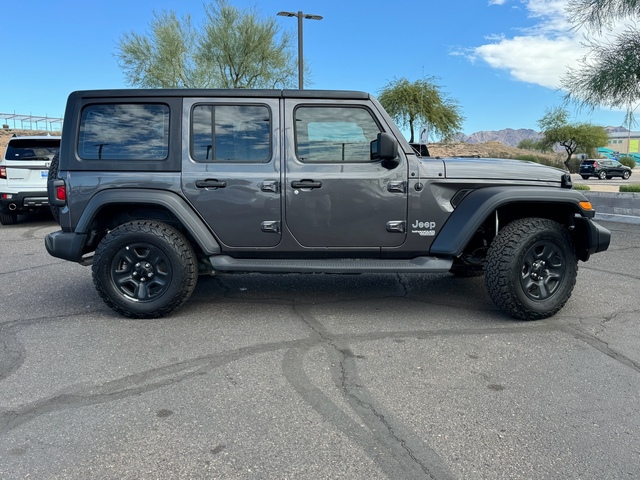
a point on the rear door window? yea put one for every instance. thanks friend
(231, 133)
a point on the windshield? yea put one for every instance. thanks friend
(32, 149)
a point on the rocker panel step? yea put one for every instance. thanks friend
(332, 265)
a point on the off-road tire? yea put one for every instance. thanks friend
(9, 218)
(145, 269)
(531, 268)
(52, 175)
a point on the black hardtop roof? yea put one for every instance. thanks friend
(215, 92)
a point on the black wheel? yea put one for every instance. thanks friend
(585, 177)
(531, 268)
(9, 218)
(52, 175)
(602, 175)
(626, 174)
(145, 269)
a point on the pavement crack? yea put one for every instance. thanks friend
(601, 346)
(84, 395)
(402, 461)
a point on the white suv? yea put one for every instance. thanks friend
(23, 175)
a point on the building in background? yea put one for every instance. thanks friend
(622, 143)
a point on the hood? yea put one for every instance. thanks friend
(501, 169)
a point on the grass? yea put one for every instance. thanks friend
(581, 186)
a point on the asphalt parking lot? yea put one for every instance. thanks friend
(317, 376)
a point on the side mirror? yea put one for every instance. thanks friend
(385, 148)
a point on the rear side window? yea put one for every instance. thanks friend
(231, 133)
(31, 149)
(124, 132)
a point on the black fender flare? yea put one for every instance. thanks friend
(166, 199)
(476, 207)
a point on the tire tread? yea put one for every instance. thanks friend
(500, 258)
(180, 246)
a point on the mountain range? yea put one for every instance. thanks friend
(510, 136)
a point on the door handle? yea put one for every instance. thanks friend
(210, 183)
(306, 184)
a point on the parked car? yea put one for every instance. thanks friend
(603, 168)
(23, 175)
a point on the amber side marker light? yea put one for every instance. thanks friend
(586, 205)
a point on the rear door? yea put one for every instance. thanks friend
(335, 194)
(231, 167)
(27, 162)
(616, 168)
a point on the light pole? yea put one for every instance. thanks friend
(300, 16)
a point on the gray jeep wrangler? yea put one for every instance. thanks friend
(154, 187)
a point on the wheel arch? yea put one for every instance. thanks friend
(481, 206)
(110, 208)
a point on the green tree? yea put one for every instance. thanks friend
(534, 145)
(421, 101)
(232, 49)
(609, 75)
(556, 129)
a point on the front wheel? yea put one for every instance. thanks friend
(145, 269)
(626, 174)
(531, 268)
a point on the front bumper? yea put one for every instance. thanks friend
(590, 238)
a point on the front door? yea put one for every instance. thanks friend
(335, 194)
(231, 168)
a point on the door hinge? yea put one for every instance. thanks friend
(269, 186)
(400, 187)
(270, 226)
(397, 226)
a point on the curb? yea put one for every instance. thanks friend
(615, 207)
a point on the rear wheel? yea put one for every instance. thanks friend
(602, 175)
(531, 268)
(145, 269)
(585, 177)
(9, 218)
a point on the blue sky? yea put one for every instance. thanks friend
(500, 59)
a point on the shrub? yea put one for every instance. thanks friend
(628, 161)
(581, 186)
(630, 188)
